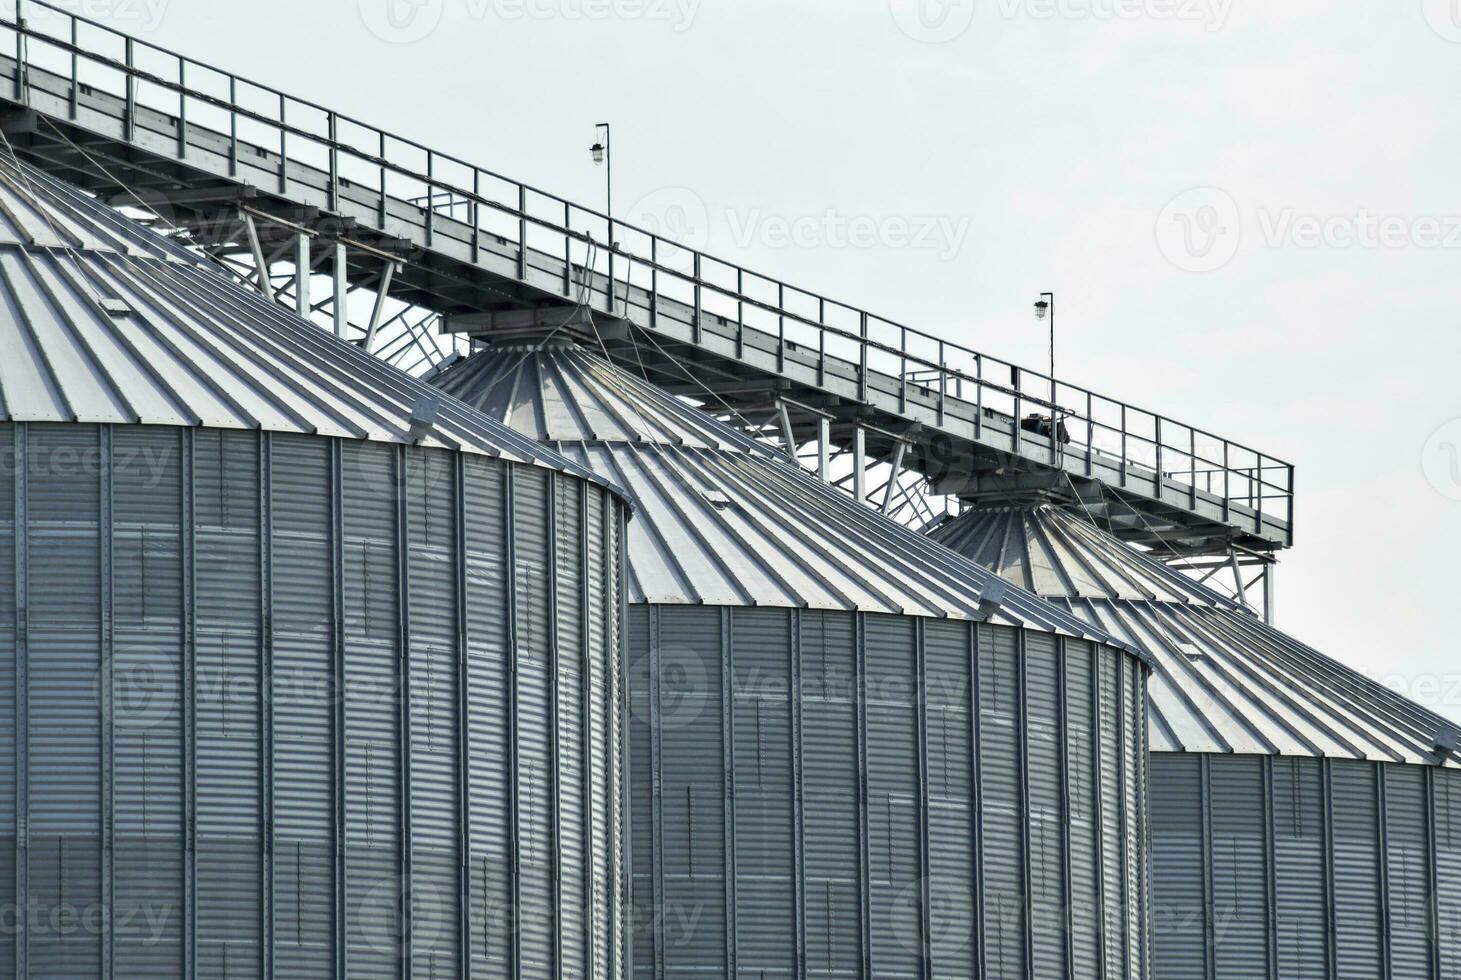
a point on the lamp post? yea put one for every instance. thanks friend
(603, 157)
(1045, 306)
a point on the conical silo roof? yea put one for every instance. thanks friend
(106, 321)
(1224, 681)
(720, 518)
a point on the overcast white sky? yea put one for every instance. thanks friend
(1050, 144)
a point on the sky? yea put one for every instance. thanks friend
(1249, 211)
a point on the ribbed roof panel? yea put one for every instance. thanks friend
(1225, 681)
(722, 519)
(105, 321)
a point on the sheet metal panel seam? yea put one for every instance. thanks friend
(1127, 809)
(920, 654)
(1270, 865)
(340, 875)
(266, 696)
(798, 803)
(1330, 898)
(864, 817)
(976, 799)
(1209, 943)
(1433, 885)
(1099, 817)
(464, 739)
(728, 783)
(22, 698)
(403, 703)
(514, 785)
(105, 689)
(620, 652)
(585, 712)
(1144, 740)
(1063, 733)
(189, 539)
(555, 762)
(1023, 711)
(1382, 851)
(656, 793)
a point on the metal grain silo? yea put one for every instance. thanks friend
(305, 670)
(853, 754)
(1306, 820)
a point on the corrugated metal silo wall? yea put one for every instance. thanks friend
(180, 608)
(803, 806)
(1301, 867)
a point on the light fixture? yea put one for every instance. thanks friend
(598, 151)
(1041, 309)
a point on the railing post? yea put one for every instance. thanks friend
(1124, 457)
(182, 109)
(381, 155)
(978, 396)
(943, 382)
(75, 68)
(1192, 467)
(567, 249)
(522, 236)
(862, 359)
(130, 128)
(653, 283)
(612, 289)
(1090, 435)
(780, 328)
(283, 145)
(1227, 484)
(699, 301)
(903, 369)
(476, 212)
(430, 197)
(1019, 428)
(1258, 517)
(1161, 477)
(232, 126)
(333, 124)
(21, 88)
(740, 312)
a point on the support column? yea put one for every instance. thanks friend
(824, 449)
(302, 275)
(859, 464)
(342, 289)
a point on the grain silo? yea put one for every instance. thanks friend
(852, 753)
(1306, 820)
(307, 670)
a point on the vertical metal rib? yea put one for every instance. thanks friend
(1331, 926)
(514, 786)
(403, 698)
(464, 740)
(1209, 901)
(555, 759)
(621, 673)
(798, 803)
(728, 776)
(1022, 706)
(863, 817)
(656, 792)
(266, 695)
(925, 911)
(1382, 829)
(1099, 816)
(1063, 734)
(586, 716)
(22, 701)
(976, 797)
(105, 691)
(189, 541)
(1270, 865)
(340, 868)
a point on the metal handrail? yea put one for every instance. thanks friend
(1265, 473)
